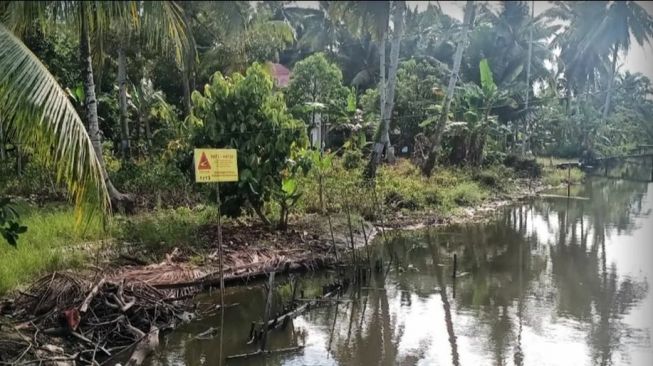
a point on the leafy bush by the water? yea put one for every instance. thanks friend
(467, 194)
(495, 177)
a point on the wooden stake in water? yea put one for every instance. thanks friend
(455, 265)
(266, 315)
(351, 235)
(568, 180)
(220, 254)
(367, 249)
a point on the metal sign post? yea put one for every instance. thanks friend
(217, 165)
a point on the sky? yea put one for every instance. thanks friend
(639, 58)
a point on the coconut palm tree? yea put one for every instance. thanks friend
(590, 45)
(37, 112)
(373, 18)
(436, 136)
(580, 55)
(151, 24)
(93, 20)
(623, 20)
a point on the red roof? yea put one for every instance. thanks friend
(281, 74)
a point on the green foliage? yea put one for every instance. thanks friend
(164, 229)
(467, 194)
(53, 242)
(487, 82)
(524, 167)
(243, 112)
(401, 187)
(494, 177)
(554, 177)
(352, 159)
(10, 227)
(154, 182)
(35, 107)
(315, 80)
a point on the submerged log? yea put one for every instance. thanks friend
(280, 320)
(262, 353)
(145, 346)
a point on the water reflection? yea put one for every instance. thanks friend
(553, 282)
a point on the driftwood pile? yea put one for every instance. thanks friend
(63, 319)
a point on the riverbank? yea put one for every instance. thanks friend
(174, 252)
(189, 235)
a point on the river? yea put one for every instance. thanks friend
(549, 282)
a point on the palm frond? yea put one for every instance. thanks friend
(40, 114)
(165, 28)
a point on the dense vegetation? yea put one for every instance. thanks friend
(464, 105)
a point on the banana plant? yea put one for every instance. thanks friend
(287, 197)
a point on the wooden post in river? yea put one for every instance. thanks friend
(266, 314)
(455, 265)
(220, 254)
(569, 180)
(206, 163)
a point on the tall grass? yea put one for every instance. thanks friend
(552, 176)
(402, 187)
(48, 245)
(161, 230)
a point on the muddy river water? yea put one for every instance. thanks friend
(549, 282)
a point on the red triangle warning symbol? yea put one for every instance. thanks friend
(204, 163)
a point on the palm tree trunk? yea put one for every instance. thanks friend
(122, 98)
(186, 86)
(528, 81)
(138, 123)
(19, 160)
(436, 137)
(187, 73)
(3, 152)
(608, 95)
(377, 150)
(398, 21)
(90, 103)
(148, 132)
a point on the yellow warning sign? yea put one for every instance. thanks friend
(215, 165)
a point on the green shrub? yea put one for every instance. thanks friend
(525, 168)
(154, 182)
(434, 197)
(243, 112)
(495, 177)
(352, 159)
(467, 194)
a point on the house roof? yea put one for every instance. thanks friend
(280, 73)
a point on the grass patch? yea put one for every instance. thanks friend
(401, 187)
(552, 176)
(161, 230)
(46, 246)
